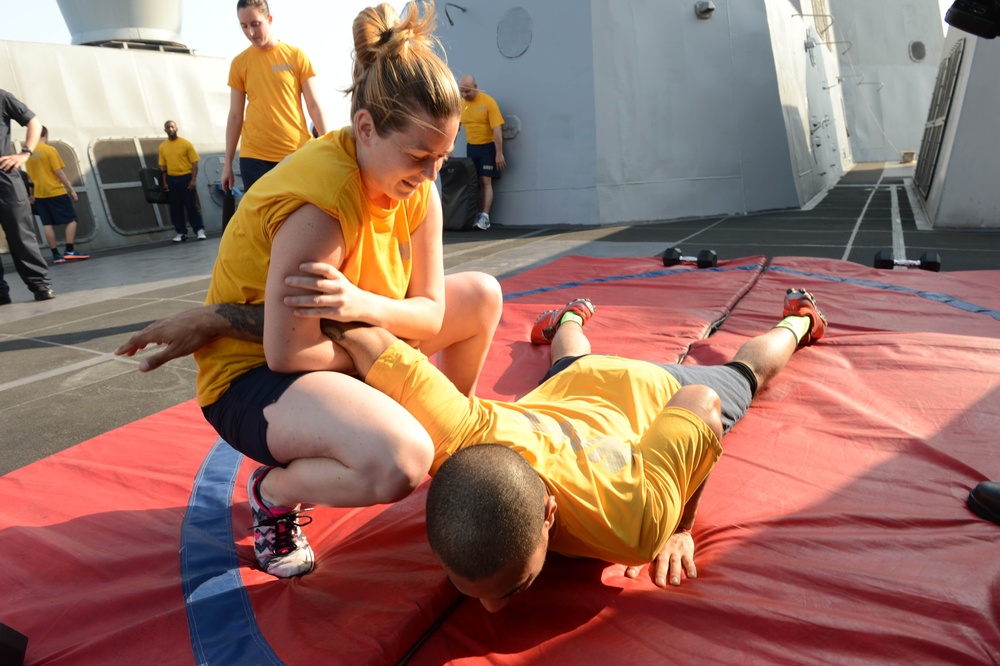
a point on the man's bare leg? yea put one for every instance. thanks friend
(569, 340)
(485, 194)
(767, 354)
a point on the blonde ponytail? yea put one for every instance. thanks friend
(397, 69)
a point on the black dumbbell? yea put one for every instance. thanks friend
(928, 261)
(705, 259)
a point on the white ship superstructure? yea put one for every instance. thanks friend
(620, 111)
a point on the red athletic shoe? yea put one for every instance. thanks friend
(801, 303)
(548, 322)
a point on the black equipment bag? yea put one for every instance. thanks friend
(978, 17)
(459, 193)
(152, 188)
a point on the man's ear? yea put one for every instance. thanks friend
(550, 511)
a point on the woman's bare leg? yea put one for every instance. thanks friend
(473, 305)
(344, 444)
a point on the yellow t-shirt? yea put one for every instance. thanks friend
(178, 156)
(42, 167)
(324, 173)
(274, 125)
(479, 117)
(620, 466)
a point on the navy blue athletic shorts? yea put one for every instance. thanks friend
(484, 156)
(55, 211)
(238, 416)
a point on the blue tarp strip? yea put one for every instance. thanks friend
(944, 299)
(618, 278)
(223, 626)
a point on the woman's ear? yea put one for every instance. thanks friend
(364, 127)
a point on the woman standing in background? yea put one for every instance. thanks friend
(267, 82)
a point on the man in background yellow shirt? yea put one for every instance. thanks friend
(179, 166)
(484, 137)
(54, 198)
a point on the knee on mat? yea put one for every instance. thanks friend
(489, 295)
(476, 294)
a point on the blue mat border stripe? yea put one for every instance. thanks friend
(944, 299)
(218, 606)
(619, 278)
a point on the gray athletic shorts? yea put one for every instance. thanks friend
(735, 383)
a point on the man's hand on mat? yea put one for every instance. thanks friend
(183, 333)
(676, 557)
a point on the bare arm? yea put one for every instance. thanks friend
(314, 290)
(322, 291)
(234, 127)
(32, 135)
(363, 343)
(677, 555)
(498, 142)
(65, 181)
(194, 176)
(187, 332)
(313, 106)
(295, 344)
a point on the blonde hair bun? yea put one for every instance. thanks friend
(397, 68)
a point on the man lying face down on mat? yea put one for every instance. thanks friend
(607, 458)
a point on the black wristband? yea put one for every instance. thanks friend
(25, 149)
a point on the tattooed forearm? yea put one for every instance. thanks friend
(246, 320)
